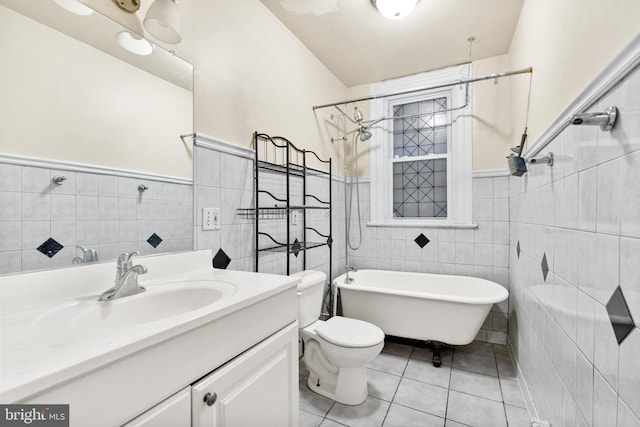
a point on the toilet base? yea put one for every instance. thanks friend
(350, 388)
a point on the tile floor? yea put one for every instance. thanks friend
(475, 386)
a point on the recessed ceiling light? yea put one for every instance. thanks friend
(74, 6)
(395, 9)
(134, 43)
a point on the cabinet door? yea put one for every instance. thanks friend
(172, 412)
(257, 388)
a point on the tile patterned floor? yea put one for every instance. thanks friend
(475, 386)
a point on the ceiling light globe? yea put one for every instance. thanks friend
(134, 43)
(395, 9)
(163, 21)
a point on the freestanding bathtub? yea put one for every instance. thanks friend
(422, 306)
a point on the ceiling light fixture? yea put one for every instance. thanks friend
(74, 6)
(395, 9)
(163, 21)
(129, 6)
(134, 43)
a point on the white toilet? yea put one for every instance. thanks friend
(335, 351)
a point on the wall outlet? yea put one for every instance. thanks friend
(211, 218)
(295, 216)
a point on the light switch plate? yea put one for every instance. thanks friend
(211, 218)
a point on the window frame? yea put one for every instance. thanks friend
(459, 151)
(394, 101)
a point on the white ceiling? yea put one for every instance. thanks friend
(359, 46)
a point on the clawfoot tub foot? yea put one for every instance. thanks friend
(436, 347)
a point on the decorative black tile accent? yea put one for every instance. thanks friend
(619, 315)
(518, 249)
(154, 240)
(296, 247)
(50, 247)
(545, 266)
(421, 240)
(221, 260)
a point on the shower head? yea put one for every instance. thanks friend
(364, 133)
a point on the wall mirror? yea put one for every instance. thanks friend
(71, 93)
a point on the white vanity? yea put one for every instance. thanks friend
(201, 347)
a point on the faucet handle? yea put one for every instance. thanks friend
(88, 255)
(125, 260)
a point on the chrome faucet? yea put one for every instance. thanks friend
(88, 255)
(126, 278)
(350, 268)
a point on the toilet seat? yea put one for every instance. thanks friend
(353, 333)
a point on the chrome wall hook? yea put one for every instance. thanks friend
(142, 188)
(59, 179)
(548, 159)
(605, 120)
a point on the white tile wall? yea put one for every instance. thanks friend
(481, 252)
(559, 328)
(101, 212)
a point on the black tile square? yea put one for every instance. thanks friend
(50, 247)
(421, 240)
(545, 266)
(154, 240)
(221, 260)
(296, 247)
(619, 315)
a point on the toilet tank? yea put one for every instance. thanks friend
(310, 294)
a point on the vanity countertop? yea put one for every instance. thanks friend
(35, 356)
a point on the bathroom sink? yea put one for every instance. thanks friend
(158, 302)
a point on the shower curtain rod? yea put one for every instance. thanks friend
(458, 82)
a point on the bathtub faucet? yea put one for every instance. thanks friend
(350, 268)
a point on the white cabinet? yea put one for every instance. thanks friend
(173, 412)
(136, 377)
(257, 388)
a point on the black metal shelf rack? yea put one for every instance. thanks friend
(280, 156)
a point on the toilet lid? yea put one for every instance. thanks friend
(347, 332)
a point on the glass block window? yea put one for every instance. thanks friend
(421, 139)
